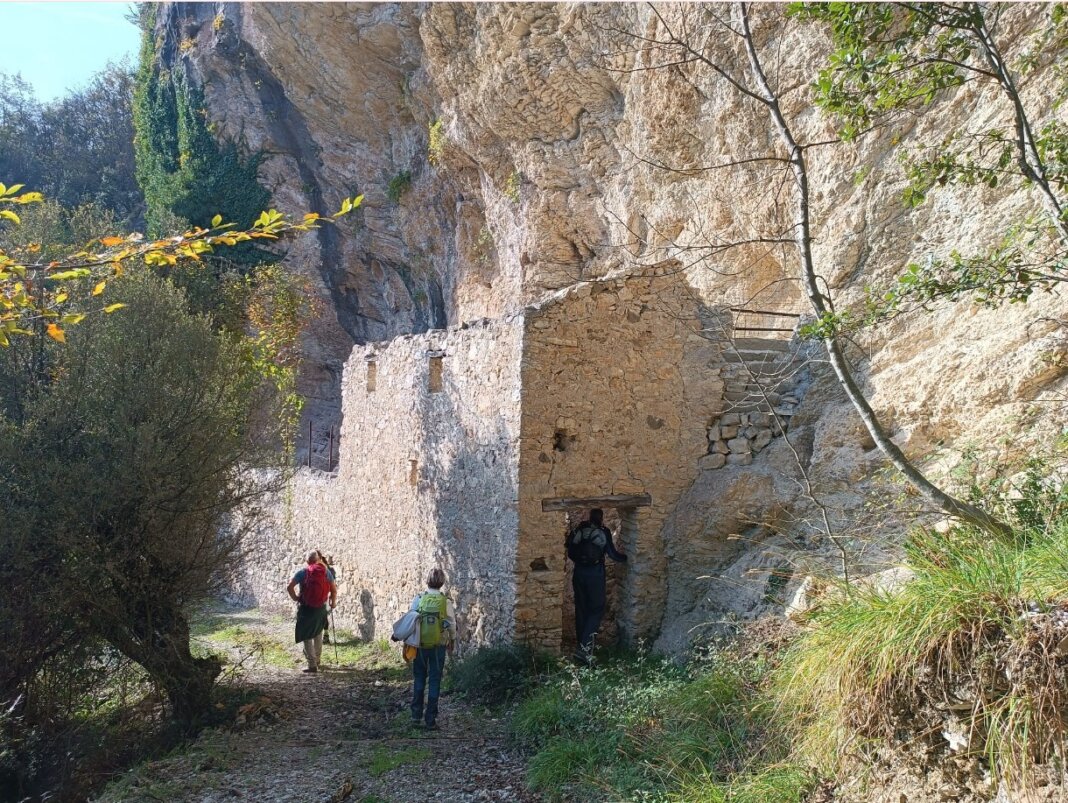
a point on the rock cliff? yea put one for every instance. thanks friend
(507, 150)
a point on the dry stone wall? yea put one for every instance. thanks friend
(427, 477)
(620, 386)
(452, 440)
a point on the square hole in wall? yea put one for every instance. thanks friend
(435, 373)
(372, 375)
(413, 473)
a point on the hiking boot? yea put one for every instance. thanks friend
(431, 725)
(311, 669)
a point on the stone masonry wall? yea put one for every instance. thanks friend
(620, 388)
(426, 477)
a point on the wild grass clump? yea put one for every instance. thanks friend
(642, 727)
(498, 675)
(975, 644)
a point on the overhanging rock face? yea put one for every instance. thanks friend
(452, 440)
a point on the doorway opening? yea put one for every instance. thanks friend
(620, 517)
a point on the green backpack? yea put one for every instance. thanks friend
(432, 611)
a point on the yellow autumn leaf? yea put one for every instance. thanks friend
(56, 333)
(111, 242)
(10, 216)
(99, 288)
(215, 221)
(110, 308)
(61, 297)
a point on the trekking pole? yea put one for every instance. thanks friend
(333, 637)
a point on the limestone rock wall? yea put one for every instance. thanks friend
(542, 148)
(428, 462)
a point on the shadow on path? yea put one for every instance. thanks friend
(341, 734)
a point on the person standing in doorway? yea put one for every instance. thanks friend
(587, 545)
(317, 586)
(437, 635)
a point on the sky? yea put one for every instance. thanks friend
(58, 46)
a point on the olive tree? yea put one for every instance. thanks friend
(126, 473)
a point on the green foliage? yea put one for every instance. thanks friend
(77, 150)
(385, 760)
(894, 58)
(887, 57)
(149, 415)
(977, 611)
(398, 185)
(1011, 271)
(512, 186)
(183, 171)
(644, 727)
(496, 675)
(436, 143)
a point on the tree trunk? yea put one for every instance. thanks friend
(161, 646)
(803, 234)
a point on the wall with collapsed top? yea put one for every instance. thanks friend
(620, 386)
(426, 477)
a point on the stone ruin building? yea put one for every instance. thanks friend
(469, 448)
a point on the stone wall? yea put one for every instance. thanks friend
(427, 477)
(620, 387)
(452, 439)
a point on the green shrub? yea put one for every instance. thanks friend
(512, 186)
(398, 185)
(183, 171)
(495, 675)
(565, 758)
(436, 142)
(645, 727)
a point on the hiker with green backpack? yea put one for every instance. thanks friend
(437, 635)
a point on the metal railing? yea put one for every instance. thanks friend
(772, 324)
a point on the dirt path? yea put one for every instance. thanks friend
(343, 734)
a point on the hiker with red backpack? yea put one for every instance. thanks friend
(437, 635)
(317, 587)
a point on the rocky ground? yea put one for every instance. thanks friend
(341, 735)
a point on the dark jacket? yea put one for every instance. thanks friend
(573, 550)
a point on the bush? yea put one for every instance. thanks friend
(436, 142)
(123, 455)
(496, 675)
(398, 185)
(645, 727)
(970, 646)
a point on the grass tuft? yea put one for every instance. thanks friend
(975, 633)
(384, 760)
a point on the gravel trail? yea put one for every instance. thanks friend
(340, 735)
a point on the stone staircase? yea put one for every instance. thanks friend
(763, 383)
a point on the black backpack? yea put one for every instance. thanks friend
(588, 544)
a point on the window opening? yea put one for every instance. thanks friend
(435, 373)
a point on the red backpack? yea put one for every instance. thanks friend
(315, 587)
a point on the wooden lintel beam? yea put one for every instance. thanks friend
(615, 500)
